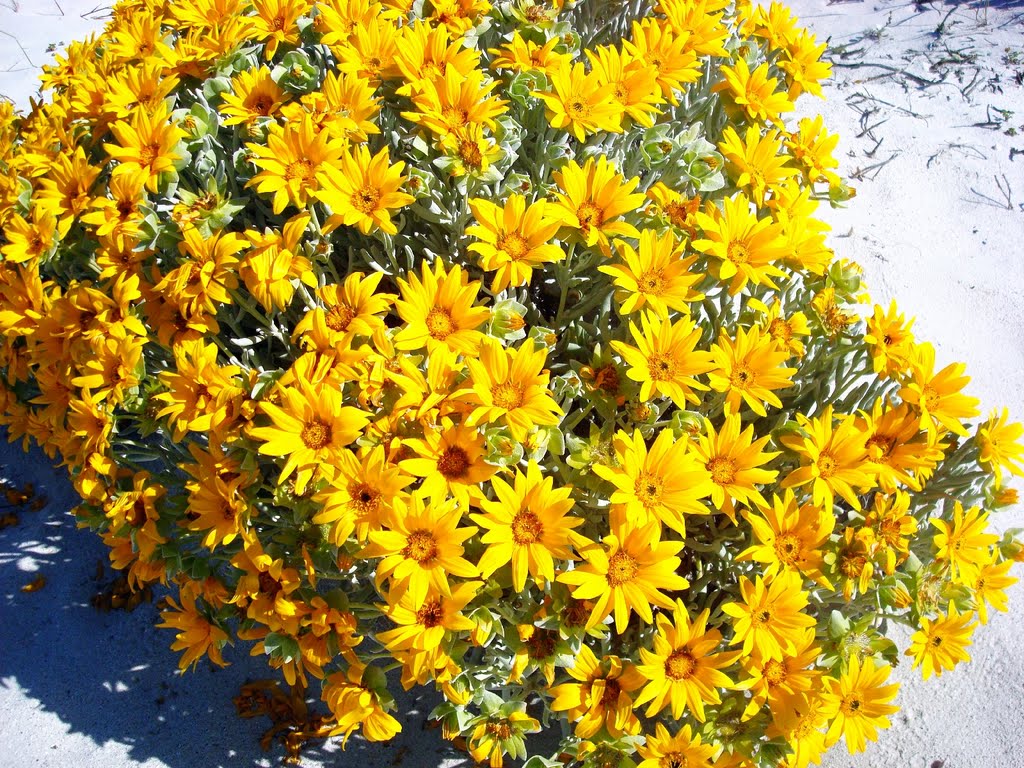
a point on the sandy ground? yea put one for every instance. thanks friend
(929, 103)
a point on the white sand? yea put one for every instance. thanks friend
(931, 228)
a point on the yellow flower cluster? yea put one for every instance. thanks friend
(498, 344)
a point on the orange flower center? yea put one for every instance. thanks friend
(339, 316)
(454, 117)
(431, 614)
(469, 152)
(440, 324)
(661, 367)
(316, 434)
(652, 281)
(622, 568)
(674, 760)
(738, 253)
(303, 170)
(850, 704)
(526, 527)
(780, 330)
(680, 665)
(742, 377)
(420, 547)
(827, 465)
(648, 488)
(589, 215)
(761, 617)
(612, 689)
(148, 154)
(541, 644)
(365, 200)
(514, 245)
(787, 548)
(453, 463)
(508, 395)
(578, 109)
(722, 469)
(500, 729)
(365, 498)
(774, 672)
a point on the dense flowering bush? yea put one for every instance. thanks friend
(497, 345)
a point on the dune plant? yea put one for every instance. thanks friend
(494, 347)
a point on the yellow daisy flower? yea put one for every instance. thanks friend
(753, 93)
(655, 44)
(626, 573)
(425, 626)
(633, 82)
(683, 672)
(661, 749)
(439, 311)
(657, 276)
(361, 191)
(145, 144)
(420, 546)
(253, 95)
(310, 428)
(937, 396)
(988, 588)
(528, 525)
(776, 681)
(1002, 445)
(450, 103)
(514, 239)
(749, 370)
(791, 537)
(661, 484)
(834, 459)
(734, 460)
(601, 695)
(510, 385)
(941, 643)
(770, 621)
(963, 542)
(858, 703)
(291, 161)
(451, 461)
(742, 246)
(755, 162)
(581, 103)
(593, 198)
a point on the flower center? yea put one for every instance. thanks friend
(453, 463)
(680, 665)
(931, 398)
(738, 253)
(526, 527)
(365, 200)
(787, 548)
(339, 316)
(612, 689)
(827, 465)
(500, 730)
(761, 617)
(454, 117)
(508, 395)
(440, 324)
(148, 154)
(652, 281)
(774, 672)
(648, 489)
(578, 109)
(316, 434)
(514, 245)
(622, 568)
(365, 498)
(674, 760)
(431, 614)
(851, 704)
(589, 215)
(469, 152)
(420, 547)
(661, 367)
(780, 329)
(722, 469)
(303, 170)
(742, 377)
